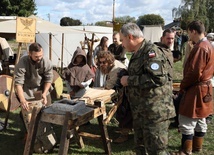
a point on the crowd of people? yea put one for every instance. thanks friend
(145, 83)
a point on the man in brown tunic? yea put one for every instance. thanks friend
(196, 103)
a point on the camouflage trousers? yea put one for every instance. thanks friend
(151, 138)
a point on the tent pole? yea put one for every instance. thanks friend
(62, 53)
(12, 87)
(50, 46)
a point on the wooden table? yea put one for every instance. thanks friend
(70, 121)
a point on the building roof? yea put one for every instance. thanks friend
(173, 24)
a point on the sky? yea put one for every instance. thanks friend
(92, 11)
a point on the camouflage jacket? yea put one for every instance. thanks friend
(149, 87)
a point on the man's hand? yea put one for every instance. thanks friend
(25, 105)
(124, 80)
(44, 97)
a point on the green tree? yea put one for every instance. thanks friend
(23, 8)
(190, 10)
(67, 21)
(121, 20)
(101, 23)
(210, 15)
(125, 19)
(150, 19)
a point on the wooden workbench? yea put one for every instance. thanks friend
(70, 122)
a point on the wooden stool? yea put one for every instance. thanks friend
(70, 121)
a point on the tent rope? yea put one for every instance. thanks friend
(60, 60)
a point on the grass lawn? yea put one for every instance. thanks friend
(11, 140)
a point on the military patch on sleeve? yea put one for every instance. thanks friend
(151, 54)
(154, 66)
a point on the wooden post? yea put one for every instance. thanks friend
(12, 88)
(64, 140)
(90, 50)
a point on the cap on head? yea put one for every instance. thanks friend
(209, 35)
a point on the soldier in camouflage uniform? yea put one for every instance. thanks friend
(149, 90)
(165, 45)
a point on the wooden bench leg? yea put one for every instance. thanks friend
(104, 135)
(78, 138)
(64, 141)
(29, 144)
(103, 129)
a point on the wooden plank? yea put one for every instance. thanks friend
(29, 144)
(53, 118)
(93, 94)
(86, 117)
(90, 135)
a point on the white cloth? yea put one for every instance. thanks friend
(126, 61)
(82, 91)
(100, 79)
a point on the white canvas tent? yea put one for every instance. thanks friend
(51, 36)
(152, 32)
(42, 26)
(71, 41)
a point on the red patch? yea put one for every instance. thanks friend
(152, 55)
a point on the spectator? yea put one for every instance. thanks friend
(176, 48)
(111, 68)
(78, 75)
(100, 78)
(210, 37)
(165, 45)
(117, 49)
